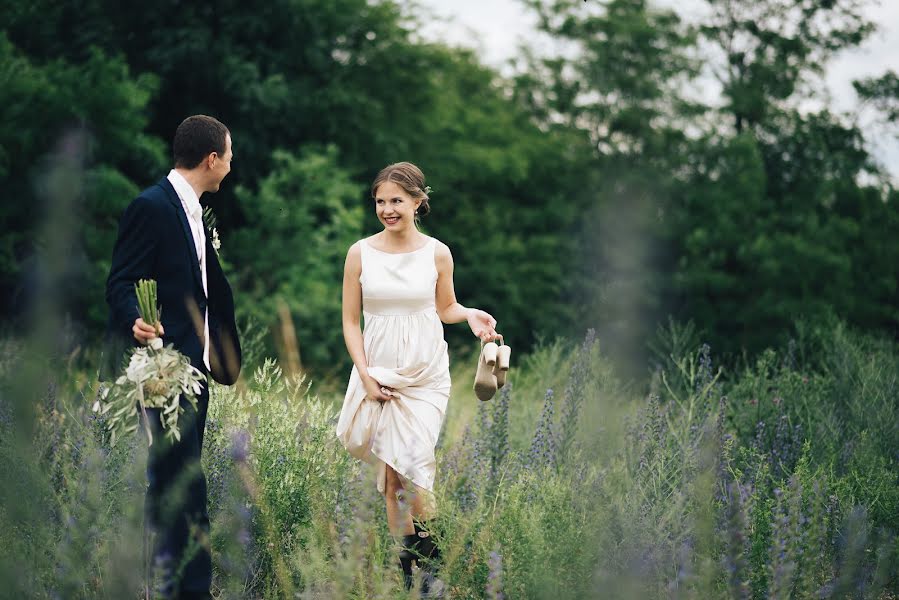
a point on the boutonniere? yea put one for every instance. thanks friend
(209, 221)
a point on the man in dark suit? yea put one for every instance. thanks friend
(162, 237)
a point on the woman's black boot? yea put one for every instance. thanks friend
(427, 554)
(407, 555)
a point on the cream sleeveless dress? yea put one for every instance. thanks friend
(404, 350)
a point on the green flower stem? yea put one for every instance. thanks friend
(146, 302)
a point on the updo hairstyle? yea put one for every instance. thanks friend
(410, 178)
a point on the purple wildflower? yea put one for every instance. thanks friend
(705, 374)
(240, 445)
(499, 432)
(735, 564)
(575, 391)
(495, 576)
(543, 447)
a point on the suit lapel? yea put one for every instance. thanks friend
(185, 228)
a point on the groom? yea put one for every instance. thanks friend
(162, 237)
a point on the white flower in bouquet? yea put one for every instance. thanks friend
(156, 377)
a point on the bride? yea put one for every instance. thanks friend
(402, 282)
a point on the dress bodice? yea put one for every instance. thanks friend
(398, 284)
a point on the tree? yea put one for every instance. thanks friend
(616, 93)
(40, 101)
(740, 218)
(623, 85)
(300, 223)
(771, 48)
(756, 254)
(803, 240)
(882, 92)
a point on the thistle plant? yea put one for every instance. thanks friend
(155, 378)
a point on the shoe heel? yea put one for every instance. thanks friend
(500, 375)
(503, 355)
(490, 351)
(484, 380)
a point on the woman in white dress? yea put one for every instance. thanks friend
(402, 282)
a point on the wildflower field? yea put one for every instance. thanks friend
(774, 478)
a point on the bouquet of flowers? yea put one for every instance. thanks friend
(155, 377)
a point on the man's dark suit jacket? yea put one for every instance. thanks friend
(155, 242)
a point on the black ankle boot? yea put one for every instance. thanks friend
(427, 554)
(407, 555)
(425, 545)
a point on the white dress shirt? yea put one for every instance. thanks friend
(191, 205)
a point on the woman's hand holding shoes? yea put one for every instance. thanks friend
(482, 324)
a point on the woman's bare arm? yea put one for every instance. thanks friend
(482, 324)
(352, 331)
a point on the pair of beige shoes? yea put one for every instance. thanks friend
(493, 364)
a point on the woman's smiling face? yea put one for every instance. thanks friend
(395, 207)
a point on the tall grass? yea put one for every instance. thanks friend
(774, 480)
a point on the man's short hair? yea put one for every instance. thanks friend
(196, 138)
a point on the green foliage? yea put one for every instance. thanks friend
(774, 222)
(73, 506)
(632, 57)
(883, 91)
(792, 245)
(771, 48)
(300, 224)
(42, 102)
(839, 388)
(740, 218)
(589, 188)
(685, 498)
(619, 98)
(759, 543)
(272, 443)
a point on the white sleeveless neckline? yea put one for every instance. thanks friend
(404, 350)
(427, 243)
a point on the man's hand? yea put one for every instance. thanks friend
(144, 332)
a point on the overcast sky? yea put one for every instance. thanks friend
(496, 28)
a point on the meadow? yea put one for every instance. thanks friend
(590, 186)
(774, 478)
